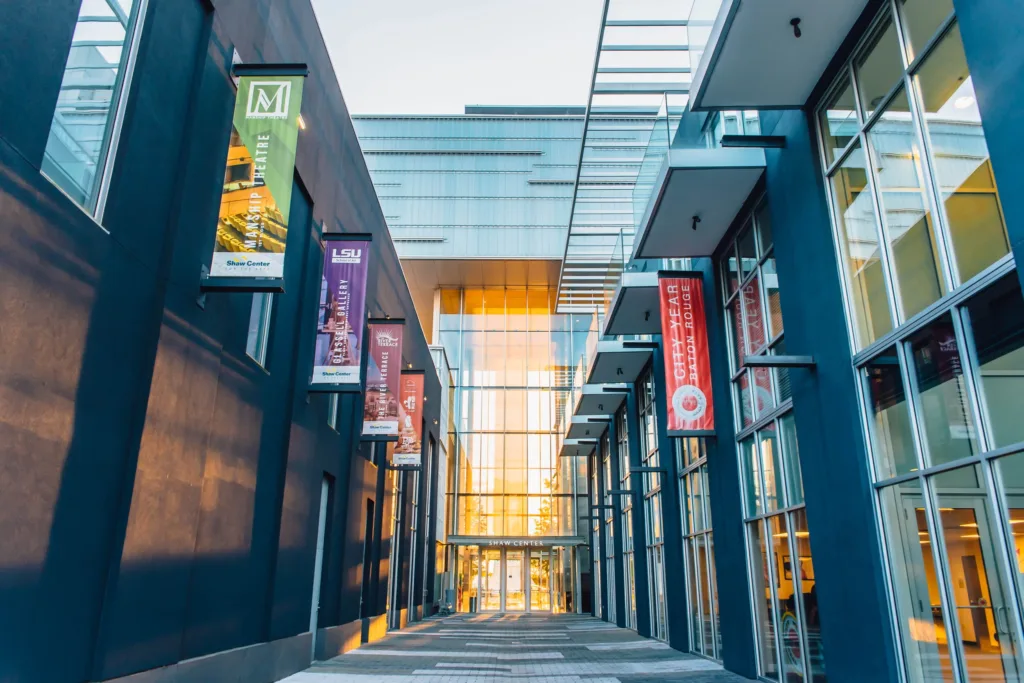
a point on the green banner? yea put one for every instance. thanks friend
(252, 228)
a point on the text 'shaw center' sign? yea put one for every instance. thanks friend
(687, 358)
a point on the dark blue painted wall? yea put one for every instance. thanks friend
(159, 490)
(856, 628)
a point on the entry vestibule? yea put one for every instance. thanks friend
(508, 579)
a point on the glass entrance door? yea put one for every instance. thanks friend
(491, 580)
(515, 584)
(540, 580)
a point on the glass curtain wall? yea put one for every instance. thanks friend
(608, 522)
(513, 360)
(939, 338)
(699, 547)
(785, 602)
(650, 457)
(626, 503)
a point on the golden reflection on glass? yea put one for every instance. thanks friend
(961, 159)
(978, 589)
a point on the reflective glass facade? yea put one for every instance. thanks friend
(784, 599)
(937, 315)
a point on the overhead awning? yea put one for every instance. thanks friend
(600, 399)
(634, 308)
(751, 58)
(710, 185)
(619, 361)
(584, 428)
(577, 448)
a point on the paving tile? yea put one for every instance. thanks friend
(518, 648)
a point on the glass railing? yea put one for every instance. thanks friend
(654, 156)
(698, 28)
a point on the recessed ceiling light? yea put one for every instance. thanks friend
(963, 102)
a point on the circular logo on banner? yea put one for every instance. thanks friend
(689, 402)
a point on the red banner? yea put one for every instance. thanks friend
(687, 360)
(410, 420)
(380, 411)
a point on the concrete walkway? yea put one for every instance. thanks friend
(523, 648)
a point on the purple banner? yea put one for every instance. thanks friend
(339, 332)
(380, 410)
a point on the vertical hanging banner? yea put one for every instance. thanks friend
(687, 359)
(409, 448)
(252, 227)
(339, 327)
(383, 372)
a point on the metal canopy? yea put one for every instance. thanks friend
(711, 184)
(619, 361)
(600, 399)
(635, 307)
(641, 70)
(583, 428)
(577, 448)
(735, 37)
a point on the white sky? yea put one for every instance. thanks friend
(435, 56)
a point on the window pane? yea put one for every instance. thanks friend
(791, 459)
(996, 318)
(921, 19)
(781, 375)
(785, 601)
(980, 592)
(803, 569)
(905, 207)
(79, 141)
(707, 644)
(739, 338)
(732, 274)
(771, 290)
(450, 301)
(751, 476)
(753, 316)
(1011, 485)
(694, 568)
(839, 122)
(537, 309)
(858, 235)
(746, 399)
(947, 423)
(453, 350)
(914, 583)
(494, 309)
(763, 221)
(747, 250)
(961, 161)
(773, 498)
(892, 441)
(697, 492)
(473, 309)
(762, 593)
(880, 69)
(515, 359)
(259, 327)
(515, 304)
